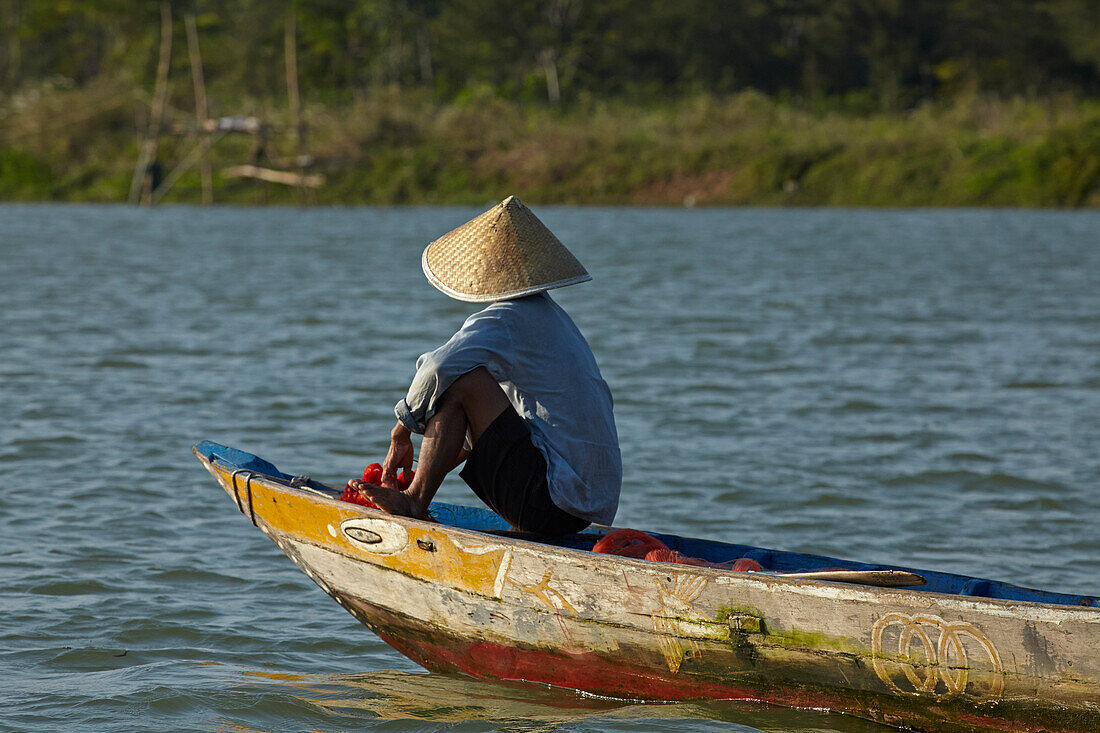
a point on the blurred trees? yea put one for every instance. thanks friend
(879, 53)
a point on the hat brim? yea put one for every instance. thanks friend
(488, 298)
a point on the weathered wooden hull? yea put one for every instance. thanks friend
(501, 607)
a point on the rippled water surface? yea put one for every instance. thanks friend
(918, 387)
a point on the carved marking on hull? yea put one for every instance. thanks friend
(939, 667)
(552, 598)
(677, 618)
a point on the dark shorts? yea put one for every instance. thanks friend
(508, 473)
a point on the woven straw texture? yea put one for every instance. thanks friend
(504, 253)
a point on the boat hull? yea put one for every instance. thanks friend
(453, 599)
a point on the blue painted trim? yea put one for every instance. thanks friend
(239, 459)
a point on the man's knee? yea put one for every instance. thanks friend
(469, 397)
(481, 398)
(449, 408)
(477, 383)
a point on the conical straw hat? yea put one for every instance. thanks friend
(504, 253)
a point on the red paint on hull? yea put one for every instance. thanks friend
(589, 672)
(574, 670)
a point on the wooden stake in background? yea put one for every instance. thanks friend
(140, 186)
(290, 44)
(201, 113)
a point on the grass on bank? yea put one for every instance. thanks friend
(65, 144)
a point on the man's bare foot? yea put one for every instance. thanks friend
(389, 500)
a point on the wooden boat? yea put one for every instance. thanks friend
(465, 594)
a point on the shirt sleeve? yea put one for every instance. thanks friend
(484, 340)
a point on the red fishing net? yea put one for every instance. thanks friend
(372, 474)
(639, 545)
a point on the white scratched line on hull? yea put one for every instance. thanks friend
(478, 549)
(502, 573)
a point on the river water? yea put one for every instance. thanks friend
(918, 387)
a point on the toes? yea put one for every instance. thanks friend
(388, 500)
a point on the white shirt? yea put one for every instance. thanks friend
(546, 368)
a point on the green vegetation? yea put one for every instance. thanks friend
(402, 147)
(789, 102)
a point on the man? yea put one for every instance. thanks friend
(518, 383)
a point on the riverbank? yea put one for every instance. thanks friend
(64, 144)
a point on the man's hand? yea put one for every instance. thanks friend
(400, 455)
